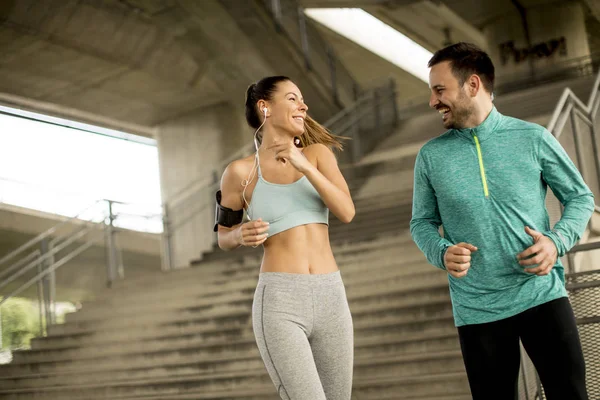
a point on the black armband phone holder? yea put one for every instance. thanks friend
(226, 216)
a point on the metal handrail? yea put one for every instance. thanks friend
(77, 235)
(16, 265)
(46, 233)
(570, 106)
(50, 269)
(570, 99)
(51, 242)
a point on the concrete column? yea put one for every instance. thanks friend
(190, 147)
(529, 41)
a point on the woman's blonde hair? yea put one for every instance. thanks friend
(317, 133)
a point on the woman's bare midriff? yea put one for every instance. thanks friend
(304, 249)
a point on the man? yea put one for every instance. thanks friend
(485, 181)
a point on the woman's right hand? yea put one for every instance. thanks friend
(253, 233)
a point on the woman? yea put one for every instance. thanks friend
(300, 314)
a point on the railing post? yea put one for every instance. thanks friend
(304, 38)
(578, 150)
(571, 263)
(40, 290)
(377, 114)
(110, 246)
(49, 284)
(355, 91)
(393, 101)
(356, 145)
(166, 240)
(276, 9)
(332, 72)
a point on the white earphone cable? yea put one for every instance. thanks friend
(246, 182)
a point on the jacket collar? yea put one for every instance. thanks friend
(484, 130)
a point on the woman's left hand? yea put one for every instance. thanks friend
(288, 152)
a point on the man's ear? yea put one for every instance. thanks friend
(474, 85)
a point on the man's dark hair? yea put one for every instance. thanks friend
(467, 59)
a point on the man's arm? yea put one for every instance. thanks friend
(426, 220)
(567, 184)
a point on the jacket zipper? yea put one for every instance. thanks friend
(481, 168)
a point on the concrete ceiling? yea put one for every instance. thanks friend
(435, 23)
(138, 61)
(133, 64)
(370, 70)
(432, 24)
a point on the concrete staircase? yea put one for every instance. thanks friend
(188, 335)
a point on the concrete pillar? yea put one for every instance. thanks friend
(190, 147)
(528, 41)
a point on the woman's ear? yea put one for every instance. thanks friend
(262, 106)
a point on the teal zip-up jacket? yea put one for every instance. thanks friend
(484, 185)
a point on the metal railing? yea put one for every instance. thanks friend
(584, 294)
(37, 260)
(318, 55)
(574, 124)
(581, 143)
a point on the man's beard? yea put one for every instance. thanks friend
(461, 112)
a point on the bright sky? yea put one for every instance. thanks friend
(369, 32)
(62, 170)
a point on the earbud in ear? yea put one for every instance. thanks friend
(265, 111)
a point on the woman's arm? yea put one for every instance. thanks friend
(328, 180)
(325, 176)
(251, 233)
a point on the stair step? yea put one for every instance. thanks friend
(360, 307)
(439, 341)
(428, 279)
(386, 328)
(451, 383)
(389, 266)
(402, 364)
(135, 345)
(380, 315)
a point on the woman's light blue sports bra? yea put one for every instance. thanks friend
(285, 206)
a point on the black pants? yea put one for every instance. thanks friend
(549, 334)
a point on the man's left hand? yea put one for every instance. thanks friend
(543, 251)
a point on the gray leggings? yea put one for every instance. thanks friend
(304, 333)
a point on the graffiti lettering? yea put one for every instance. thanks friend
(508, 50)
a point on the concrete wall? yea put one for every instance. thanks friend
(561, 22)
(189, 148)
